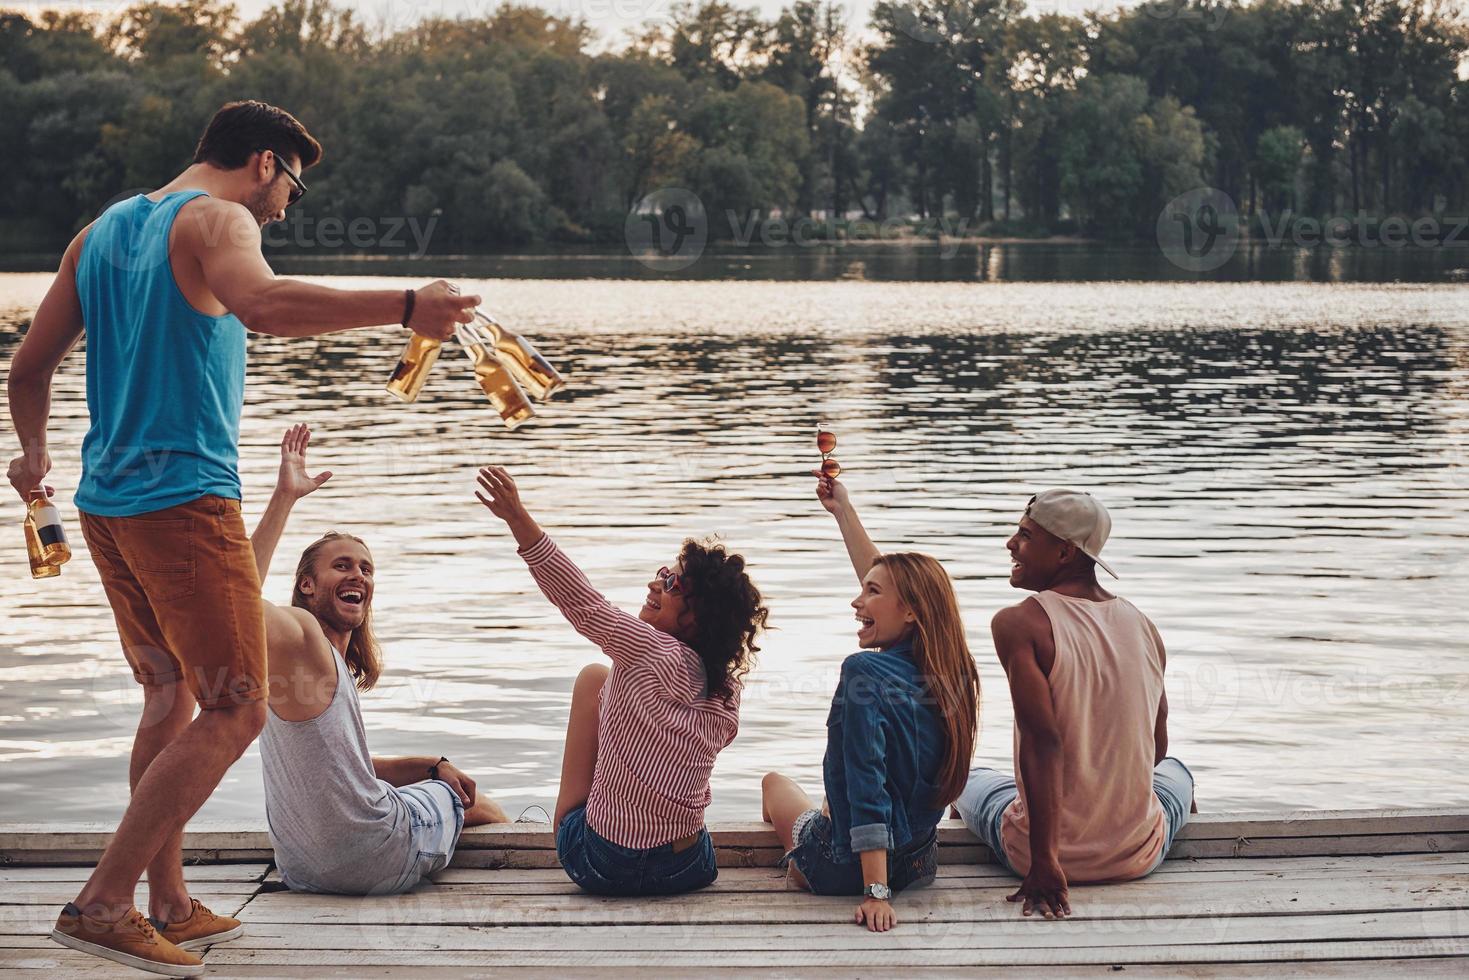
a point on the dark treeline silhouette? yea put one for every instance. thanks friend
(512, 130)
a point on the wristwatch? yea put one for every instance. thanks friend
(880, 892)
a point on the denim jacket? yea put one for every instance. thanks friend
(884, 746)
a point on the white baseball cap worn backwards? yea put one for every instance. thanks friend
(1075, 516)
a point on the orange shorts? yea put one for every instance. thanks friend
(186, 596)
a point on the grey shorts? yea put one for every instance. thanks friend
(437, 819)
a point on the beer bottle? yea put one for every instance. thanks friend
(532, 370)
(45, 538)
(413, 367)
(494, 377)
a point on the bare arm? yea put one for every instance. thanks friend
(1044, 887)
(226, 239)
(875, 913)
(285, 628)
(860, 549)
(291, 484)
(1160, 725)
(54, 331)
(412, 769)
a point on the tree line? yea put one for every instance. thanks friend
(518, 128)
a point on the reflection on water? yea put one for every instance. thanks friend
(1284, 464)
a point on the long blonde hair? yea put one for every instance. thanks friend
(363, 655)
(944, 661)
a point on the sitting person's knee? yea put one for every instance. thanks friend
(592, 676)
(244, 722)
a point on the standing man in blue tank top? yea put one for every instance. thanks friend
(165, 286)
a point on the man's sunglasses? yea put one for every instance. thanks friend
(296, 192)
(671, 581)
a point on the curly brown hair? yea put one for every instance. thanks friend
(728, 614)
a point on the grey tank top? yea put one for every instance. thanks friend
(334, 825)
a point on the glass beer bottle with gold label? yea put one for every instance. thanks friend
(413, 367)
(533, 371)
(494, 377)
(45, 538)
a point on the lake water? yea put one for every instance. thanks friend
(1285, 463)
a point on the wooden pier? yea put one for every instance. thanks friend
(1306, 894)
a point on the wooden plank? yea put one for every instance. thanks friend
(58, 893)
(781, 959)
(1284, 866)
(192, 872)
(1433, 829)
(1321, 846)
(1420, 969)
(1142, 899)
(1031, 933)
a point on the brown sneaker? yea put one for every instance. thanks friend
(131, 941)
(201, 928)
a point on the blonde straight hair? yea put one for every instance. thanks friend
(363, 655)
(944, 661)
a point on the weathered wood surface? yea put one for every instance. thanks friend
(1207, 835)
(1380, 893)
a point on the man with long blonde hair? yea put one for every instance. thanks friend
(342, 820)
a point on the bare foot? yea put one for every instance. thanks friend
(485, 810)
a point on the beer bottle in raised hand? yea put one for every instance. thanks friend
(491, 371)
(532, 370)
(413, 367)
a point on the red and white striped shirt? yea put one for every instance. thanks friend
(657, 730)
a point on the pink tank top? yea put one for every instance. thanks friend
(1106, 685)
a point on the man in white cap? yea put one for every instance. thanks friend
(1095, 796)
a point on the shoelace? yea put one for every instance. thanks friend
(144, 925)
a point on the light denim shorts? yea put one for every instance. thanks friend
(988, 792)
(437, 817)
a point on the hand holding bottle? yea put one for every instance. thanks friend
(27, 471)
(438, 307)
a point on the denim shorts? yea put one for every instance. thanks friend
(915, 864)
(599, 866)
(436, 817)
(989, 792)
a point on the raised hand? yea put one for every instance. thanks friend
(502, 498)
(831, 492)
(438, 308)
(294, 482)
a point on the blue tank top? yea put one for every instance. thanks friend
(165, 383)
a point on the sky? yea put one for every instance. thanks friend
(611, 19)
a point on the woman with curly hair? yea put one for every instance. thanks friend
(643, 735)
